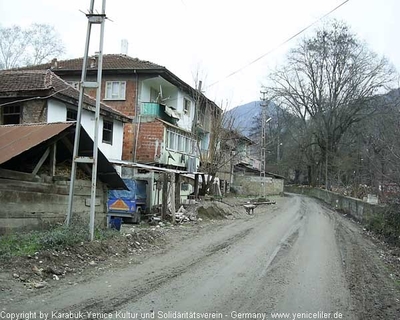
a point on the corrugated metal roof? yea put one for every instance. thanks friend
(16, 139)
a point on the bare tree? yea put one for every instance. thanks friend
(30, 46)
(328, 82)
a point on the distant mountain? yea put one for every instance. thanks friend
(244, 116)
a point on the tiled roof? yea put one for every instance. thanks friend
(45, 80)
(110, 62)
(22, 81)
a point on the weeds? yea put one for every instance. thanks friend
(55, 238)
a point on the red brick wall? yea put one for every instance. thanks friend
(148, 134)
(127, 106)
(129, 142)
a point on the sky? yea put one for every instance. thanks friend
(212, 38)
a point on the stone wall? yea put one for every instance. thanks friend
(251, 185)
(357, 208)
(35, 205)
(34, 111)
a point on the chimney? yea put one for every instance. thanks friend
(54, 63)
(92, 61)
(199, 85)
(124, 47)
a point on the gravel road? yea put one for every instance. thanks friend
(298, 257)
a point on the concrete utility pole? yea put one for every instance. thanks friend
(263, 138)
(93, 18)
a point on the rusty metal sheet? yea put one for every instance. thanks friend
(16, 139)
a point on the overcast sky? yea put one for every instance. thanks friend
(214, 37)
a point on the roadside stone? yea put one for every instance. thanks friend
(15, 276)
(40, 285)
(92, 263)
(37, 271)
(52, 270)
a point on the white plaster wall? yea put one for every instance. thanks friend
(186, 120)
(144, 93)
(57, 112)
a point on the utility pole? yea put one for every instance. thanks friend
(93, 18)
(263, 138)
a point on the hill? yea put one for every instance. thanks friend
(245, 115)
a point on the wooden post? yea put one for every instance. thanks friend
(172, 196)
(53, 153)
(177, 190)
(164, 208)
(196, 186)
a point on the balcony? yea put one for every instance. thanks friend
(156, 110)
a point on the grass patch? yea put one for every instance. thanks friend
(55, 238)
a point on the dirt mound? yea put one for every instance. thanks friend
(218, 210)
(44, 267)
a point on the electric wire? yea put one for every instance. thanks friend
(280, 45)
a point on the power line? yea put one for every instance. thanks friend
(33, 98)
(280, 45)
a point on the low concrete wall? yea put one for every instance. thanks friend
(33, 205)
(251, 185)
(357, 208)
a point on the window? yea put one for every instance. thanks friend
(178, 142)
(107, 131)
(115, 90)
(184, 186)
(186, 106)
(72, 115)
(171, 140)
(188, 143)
(181, 143)
(11, 115)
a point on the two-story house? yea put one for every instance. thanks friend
(163, 106)
(172, 122)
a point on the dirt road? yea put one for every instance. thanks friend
(299, 258)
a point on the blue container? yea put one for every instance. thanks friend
(115, 223)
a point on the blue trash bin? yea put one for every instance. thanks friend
(115, 223)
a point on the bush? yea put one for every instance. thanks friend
(387, 224)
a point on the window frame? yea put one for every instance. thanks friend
(75, 112)
(187, 105)
(108, 131)
(11, 114)
(110, 95)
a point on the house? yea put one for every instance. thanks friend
(37, 126)
(40, 96)
(166, 110)
(235, 157)
(35, 166)
(172, 122)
